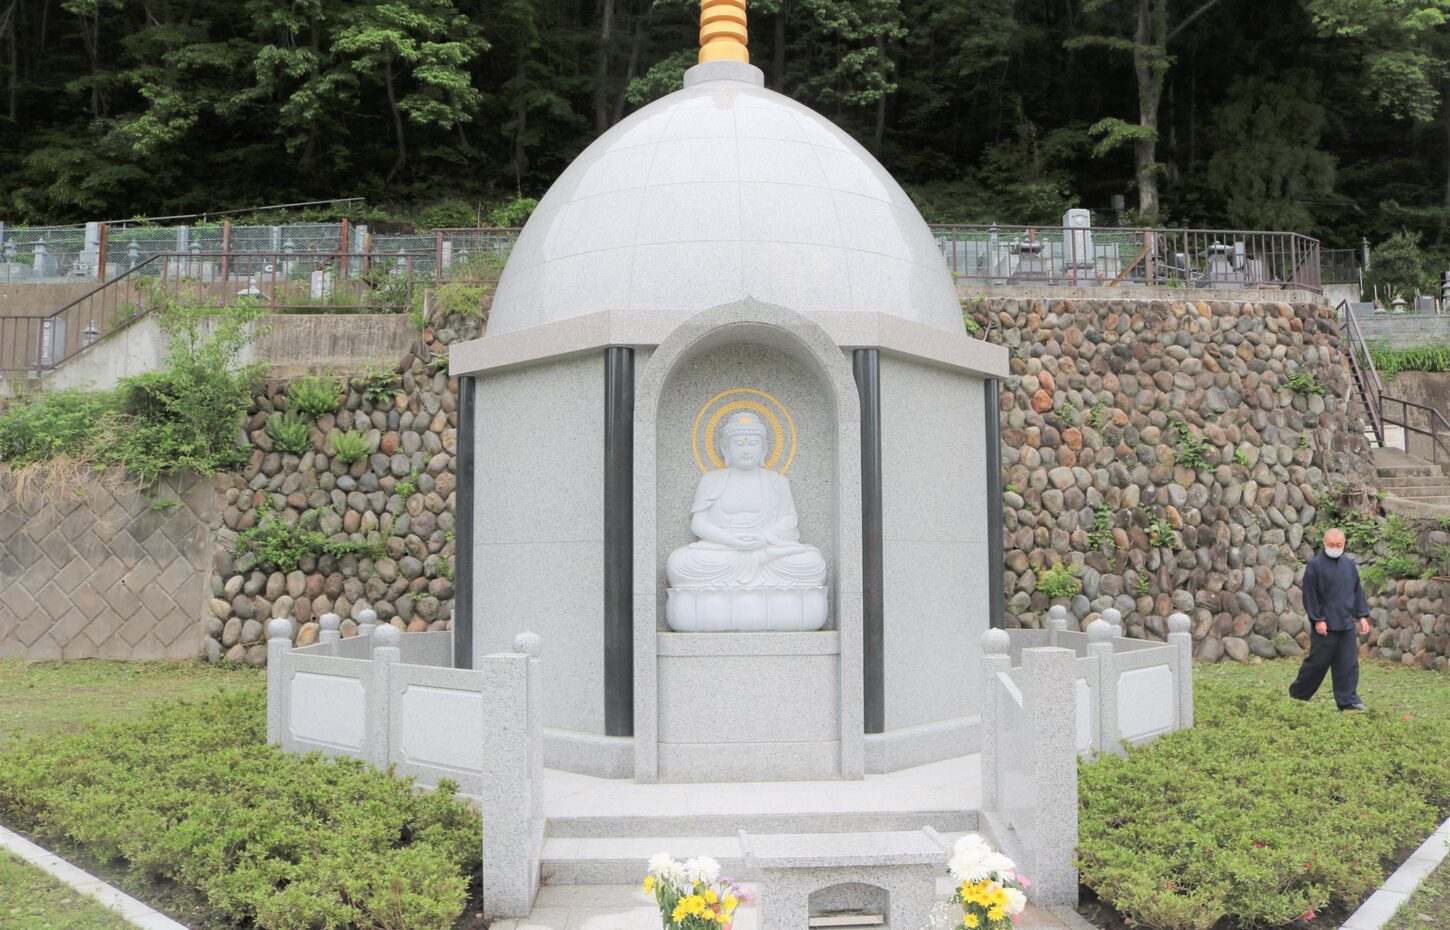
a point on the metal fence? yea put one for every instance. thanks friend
(1112, 257)
(1340, 266)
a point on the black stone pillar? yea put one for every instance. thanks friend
(463, 527)
(992, 395)
(866, 364)
(619, 541)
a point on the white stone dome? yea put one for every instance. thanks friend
(717, 192)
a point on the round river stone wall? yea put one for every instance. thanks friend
(412, 436)
(1098, 475)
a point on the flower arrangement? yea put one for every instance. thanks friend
(990, 890)
(691, 895)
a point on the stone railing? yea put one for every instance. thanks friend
(391, 698)
(1051, 696)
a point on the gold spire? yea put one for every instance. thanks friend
(722, 31)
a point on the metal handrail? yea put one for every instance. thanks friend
(1366, 375)
(1439, 431)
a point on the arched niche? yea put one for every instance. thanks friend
(755, 346)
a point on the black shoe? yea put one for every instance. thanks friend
(1352, 707)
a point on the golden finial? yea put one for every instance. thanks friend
(722, 31)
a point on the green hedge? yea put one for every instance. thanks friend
(1267, 809)
(192, 793)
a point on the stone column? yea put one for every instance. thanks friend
(1056, 622)
(386, 645)
(512, 766)
(1114, 618)
(1179, 635)
(1051, 712)
(331, 629)
(1100, 646)
(367, 622)
(995, 645)
(279, 643)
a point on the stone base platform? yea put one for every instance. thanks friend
(602, 831)
(770, 609)
(626, 907)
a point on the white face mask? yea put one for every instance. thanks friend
(1334, 553)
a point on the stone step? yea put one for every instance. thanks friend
(1421, 493)
(1404, 471)
(667, 825)
(1411, 481)
(621, 860)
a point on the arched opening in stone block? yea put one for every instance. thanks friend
(852, 904)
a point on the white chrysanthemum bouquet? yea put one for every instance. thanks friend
(990, 888)
(691, 895)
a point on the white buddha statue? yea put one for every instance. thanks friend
(748, 569)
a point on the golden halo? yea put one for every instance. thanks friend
(782, 447)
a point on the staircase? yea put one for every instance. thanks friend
(1413, 487)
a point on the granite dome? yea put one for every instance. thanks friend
(717, 192)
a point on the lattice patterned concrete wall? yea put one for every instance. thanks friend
(119, 574)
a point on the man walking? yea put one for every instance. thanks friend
(1333, 599)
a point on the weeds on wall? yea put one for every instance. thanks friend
(1387, 548)
(315, 395)
(1303, 381)
(350, 446)
(290, 432)
(1192, 449)
(280, 546)
(1058, 581)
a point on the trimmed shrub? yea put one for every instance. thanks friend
(1266, 810)
(192, 793)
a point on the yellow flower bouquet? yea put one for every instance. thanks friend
(691, 895)
(989, 889)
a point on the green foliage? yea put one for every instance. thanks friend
(290, 432)
(514, 213)
(1058, 581)
(1389, 361)
(381, 384)
(1191, 829)
(1303, 381)
(1269, 166)
(281, 546)
(1141, 588)
(1098, 415)
(408, 486)
(1192, 449)
(1067, 414)
(192, 794)
(65, 423)
(187, 414)
(1100, 536)
(460, 298)
(1397, 266)
(1241, 457)
(314, 395)
(350, 446)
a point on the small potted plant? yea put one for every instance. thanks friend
(691, 895)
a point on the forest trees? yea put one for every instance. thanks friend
(1330, 117)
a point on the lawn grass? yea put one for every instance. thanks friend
(1384, 686)
(32, 900)
(40, 698)
(1429, 907)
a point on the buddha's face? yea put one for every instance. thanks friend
(744, 451)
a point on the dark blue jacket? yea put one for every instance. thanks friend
(1332, 592)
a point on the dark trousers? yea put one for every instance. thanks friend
(1337, 651)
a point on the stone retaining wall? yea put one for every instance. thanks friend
(116, 574)
(1087, 424)
(413, 433)
(1411, 624)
